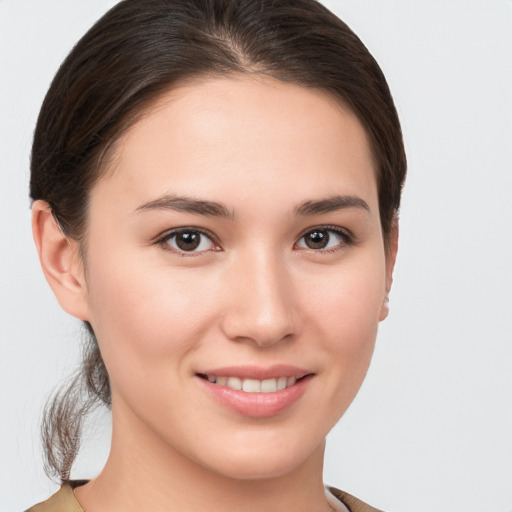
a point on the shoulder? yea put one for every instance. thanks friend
(62, 501)
(353, 504)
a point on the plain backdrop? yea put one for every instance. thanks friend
(431, 429)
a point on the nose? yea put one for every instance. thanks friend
(260, 305)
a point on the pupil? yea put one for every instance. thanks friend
(317, 239)
(188, 241)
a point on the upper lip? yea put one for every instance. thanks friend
(257, 372)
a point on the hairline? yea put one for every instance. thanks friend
(105, 162)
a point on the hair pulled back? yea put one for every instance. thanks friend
(139, 50)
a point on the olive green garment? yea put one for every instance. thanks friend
(65, 501)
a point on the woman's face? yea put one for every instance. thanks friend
(234, 241)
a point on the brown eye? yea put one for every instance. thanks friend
(189, 241)
(324, 238)
(317, 239)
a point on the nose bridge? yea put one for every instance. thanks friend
(261, 306)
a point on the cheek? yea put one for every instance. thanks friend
(345, 310)
(144, 317)
(348, 300)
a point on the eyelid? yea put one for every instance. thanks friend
(347, 236)
(164, 237)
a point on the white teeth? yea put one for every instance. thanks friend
(253, 385)
(281, 383)
(269, 385)
(234, 383)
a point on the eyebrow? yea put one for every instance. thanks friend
(331, 204)
(214, 209)
(189, 205)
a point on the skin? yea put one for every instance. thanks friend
(254, 293)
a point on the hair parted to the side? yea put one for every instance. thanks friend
(138, 51)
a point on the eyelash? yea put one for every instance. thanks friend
(347, 240)
(164, 241)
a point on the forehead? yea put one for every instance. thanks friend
(243, 132)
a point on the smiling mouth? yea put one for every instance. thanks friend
(253, 385)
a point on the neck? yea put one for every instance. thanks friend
(144, 471)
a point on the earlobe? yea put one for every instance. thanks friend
(60, 261)
(391, 253)
(384, 310)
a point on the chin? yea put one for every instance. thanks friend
(262, 464)
(257, 470)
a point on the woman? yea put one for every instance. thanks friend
(216, 186)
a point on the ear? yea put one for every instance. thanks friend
(391, 253)
(60, 261)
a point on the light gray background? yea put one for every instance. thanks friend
(431, 430)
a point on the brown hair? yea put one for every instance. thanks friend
(139, 50)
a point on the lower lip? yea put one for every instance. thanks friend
(257, 405)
